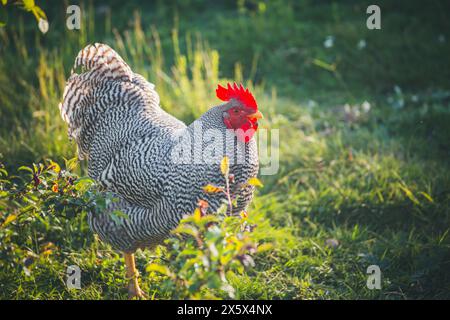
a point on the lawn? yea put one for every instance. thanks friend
(363, 118)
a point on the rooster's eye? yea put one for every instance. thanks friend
(236, 111)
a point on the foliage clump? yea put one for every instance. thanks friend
(43, 213)
(208, 248)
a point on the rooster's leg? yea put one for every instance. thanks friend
(132, 274)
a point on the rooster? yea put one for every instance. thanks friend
(155, 165)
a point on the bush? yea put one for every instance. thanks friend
(45, 209)
(42, 208)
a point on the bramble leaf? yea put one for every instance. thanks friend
(255, 182)
(9, 219)
(225, 166)
(212, 189)
(158, 268)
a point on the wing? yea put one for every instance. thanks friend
(114, 115)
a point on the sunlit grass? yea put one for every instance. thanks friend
(377, 184)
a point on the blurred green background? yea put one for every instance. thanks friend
(364, 132)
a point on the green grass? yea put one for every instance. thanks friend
(376, 181)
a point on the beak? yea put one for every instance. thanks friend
(257, 115)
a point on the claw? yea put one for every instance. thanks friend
(134, 291)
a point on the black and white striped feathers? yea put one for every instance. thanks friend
(134, 147)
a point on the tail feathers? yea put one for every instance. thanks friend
(99, 63)
(104, 79)
(102, 62)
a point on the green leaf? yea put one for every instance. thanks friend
(158, 268)
(9, 219)
(28, 4)
(264, 247)
(39, 13)
(255, 182)
(225, 166)
(186, 230)
(427, 196)
(25, 168)
(212, 189)
(83, 183)
(71, 164)
(324, 65)
(54, 166)
(116, 219)
(409, 194)
(119, 214)
(197, 215)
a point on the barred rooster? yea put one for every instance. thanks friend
(152, 162)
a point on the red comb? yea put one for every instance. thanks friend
(238, 93)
